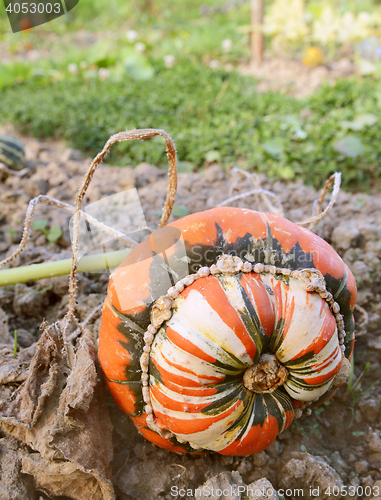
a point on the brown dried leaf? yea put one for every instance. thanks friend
(60, 411)
(64, 478)
(82, 420)
(42, 381)
(15, 370)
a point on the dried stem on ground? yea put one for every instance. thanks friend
(335, 179)
(128, 135)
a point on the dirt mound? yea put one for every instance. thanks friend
(294, 78)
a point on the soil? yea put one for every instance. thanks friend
(338, 445)
(294, 78)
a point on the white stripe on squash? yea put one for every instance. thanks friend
(176, 355)
(198, 318)
(157, 354)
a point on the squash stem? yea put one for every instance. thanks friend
(89, 263)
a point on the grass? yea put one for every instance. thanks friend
(271, 133)
(354, 387)
(356, 392)
(210, 113)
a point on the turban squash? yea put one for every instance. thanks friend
(221, 327)
(12, 152)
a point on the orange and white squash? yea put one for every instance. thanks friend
(222, 327)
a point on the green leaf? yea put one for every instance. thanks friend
(300, 134)
(366, 120)
(377, 95)
(102, 54)
(180, 211)
(360, 122)
(54, 234)
(360, 202)
(287, 173)
(212, 156)
(291, 120)
(350, 146)
(138, 67)
(40, 224)
(319, 410)
(274, 147)
(358, 433)
(12, 73)
(303, 448)
(39, 292)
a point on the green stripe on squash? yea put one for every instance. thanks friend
(12, 152)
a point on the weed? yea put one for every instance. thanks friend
(52, 234)
(39, 292)
(354, 389)
(358, 433)
(319, 410)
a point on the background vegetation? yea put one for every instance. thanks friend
(109, 66)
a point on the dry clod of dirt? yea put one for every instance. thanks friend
(361, 467)
(233, 488)
(58, 285)
(340, 466)
(28, 301)
(228, 481)
(370, 408)
(14, 485)
(15, 370)
(310, 472)
(263, 485)
(214, 173)
(260, 459)
(275, 449)
(345, 236)
(375, 442)
(71, 154)
(146, 174)
(25, 338)
(145, 481)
